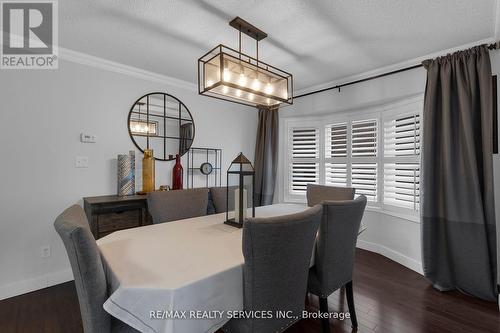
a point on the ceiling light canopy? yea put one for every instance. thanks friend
(231, 75)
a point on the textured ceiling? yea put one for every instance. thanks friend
(318, 41)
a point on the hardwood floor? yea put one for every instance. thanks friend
(388, 298)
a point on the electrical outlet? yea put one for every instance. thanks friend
(81, 162)
(45, 251)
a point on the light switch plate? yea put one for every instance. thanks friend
(81, 162)
(87, 138)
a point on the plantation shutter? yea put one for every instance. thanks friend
(402, 161)
(364, 138)
(376, 153)
(336, 155)
(402, 185)
(402, 136)
(364, 179)
(304, 167)
(364, 158)
(336, 140)
(336, 174)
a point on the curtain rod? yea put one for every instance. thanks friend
(492, 46)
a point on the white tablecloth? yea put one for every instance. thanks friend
(186, 265)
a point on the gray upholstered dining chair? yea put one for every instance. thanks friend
(334, 254)
(219, 198)
(277, 252)
(88, 271)
(167, 206)
(318, 193)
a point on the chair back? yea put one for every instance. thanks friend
(88, 271)
(219, 195)
(336, 243)
(319, 193)
(277, 252)
(166, 206)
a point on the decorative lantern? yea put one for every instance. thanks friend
(239, 195)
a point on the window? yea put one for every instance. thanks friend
(364, 138)
(402, 161)
(336, 155)
(304, 167)
(364, 180)
(364, 158)
(375, 151)
(351, 156)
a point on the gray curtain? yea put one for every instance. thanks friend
(186, 137)
(458, 217)
(266, 156)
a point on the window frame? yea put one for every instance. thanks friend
(381, 114)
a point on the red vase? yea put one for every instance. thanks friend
(177, 174)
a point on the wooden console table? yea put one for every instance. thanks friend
(110, 213)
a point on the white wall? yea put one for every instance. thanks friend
(394, 237)
(42, 115)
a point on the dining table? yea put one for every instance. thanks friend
(183, 276)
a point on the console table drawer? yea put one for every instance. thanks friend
(110, 213)
(110, 222)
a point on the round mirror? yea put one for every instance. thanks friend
(161, 122)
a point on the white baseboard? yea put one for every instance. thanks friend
(400, 258)
(29, 285)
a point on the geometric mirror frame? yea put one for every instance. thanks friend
(163, 123)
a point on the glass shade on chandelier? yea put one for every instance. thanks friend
(231, 75)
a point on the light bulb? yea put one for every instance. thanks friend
(242, 81)
(269, 89)
(255, 84)
(226, 76)
(250, 96)
(238, 93)
(268, 101)
(225, 89)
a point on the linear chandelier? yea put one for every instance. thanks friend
(231, 75)
(142, 127)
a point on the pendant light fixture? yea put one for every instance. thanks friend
(231, 75)
(142, 127)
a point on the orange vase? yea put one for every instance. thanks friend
(148, 171)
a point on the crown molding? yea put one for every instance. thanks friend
(391, 68)
(116, 67)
